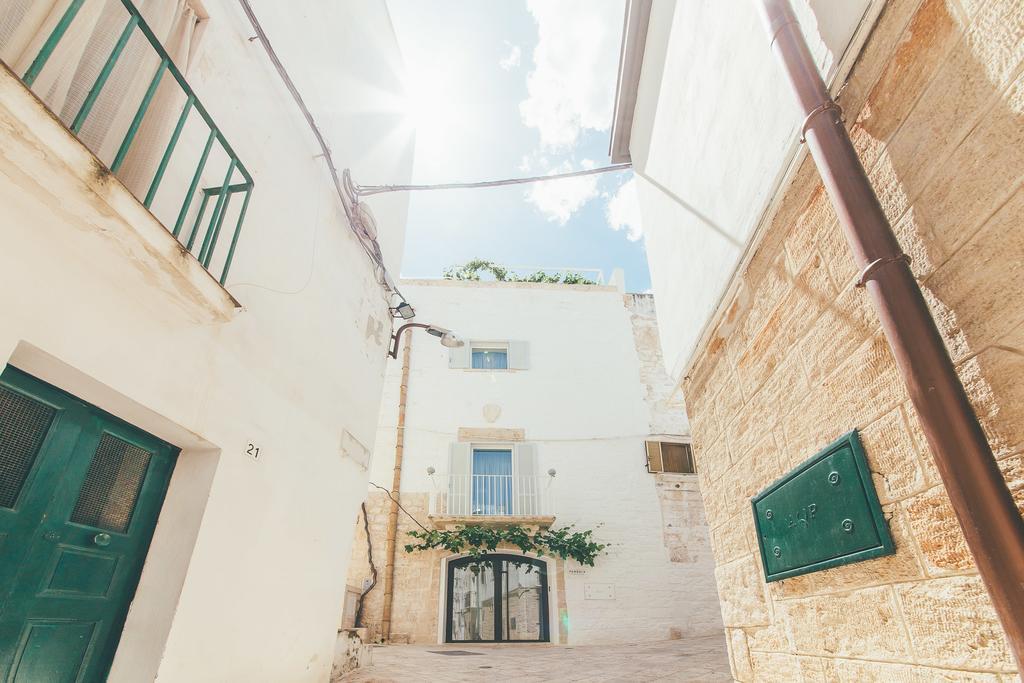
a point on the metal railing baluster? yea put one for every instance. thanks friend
(218, 213)
(139, 115)
(166, 158)
(196, 177)
(51, 43)
(216, 230)
(234, 238)
(101, 80)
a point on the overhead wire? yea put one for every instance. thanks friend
(395, 501)
(349, 192)
(368, 241)
(369, 190)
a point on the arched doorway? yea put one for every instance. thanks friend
(497, 599)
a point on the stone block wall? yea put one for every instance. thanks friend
(414, 611)
(935, 106)
(664, 401)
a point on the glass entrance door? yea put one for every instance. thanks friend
(499, 598)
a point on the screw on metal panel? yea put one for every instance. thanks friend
(847, 525)
(777, 551)
(769, 514)
(833, 478)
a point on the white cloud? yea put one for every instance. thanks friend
(572, 85)
(558, 200)
(623, 211)
(512, 59)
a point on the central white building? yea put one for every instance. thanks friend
(557, 411)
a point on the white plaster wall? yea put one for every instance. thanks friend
(582, 402)
(245, 578)
(714, 131)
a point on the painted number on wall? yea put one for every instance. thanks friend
(253, 451)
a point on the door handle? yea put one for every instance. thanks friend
(101, 539)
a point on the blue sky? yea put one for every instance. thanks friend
(510, 88)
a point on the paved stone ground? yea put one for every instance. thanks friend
(693, 659)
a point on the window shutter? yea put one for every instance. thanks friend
(526, 483)
(459, 357)
(460, 478)
(518, 355)
(654, 461)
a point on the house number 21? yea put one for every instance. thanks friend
(253, 451)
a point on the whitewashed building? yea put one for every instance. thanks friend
(191, 360)
(557, 411)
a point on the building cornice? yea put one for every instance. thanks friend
(631, 59)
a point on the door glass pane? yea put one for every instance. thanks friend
(24, 423)
(112, 485)
(492, 482)
(472, 616)
(521, 602)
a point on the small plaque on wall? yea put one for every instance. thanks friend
(824, 513)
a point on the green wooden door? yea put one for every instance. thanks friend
(80, 492)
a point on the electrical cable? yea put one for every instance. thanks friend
(368, 242)
(395, 501)
(312, 258)
(368, 190)
(373, 569)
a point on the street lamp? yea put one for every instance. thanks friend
(448, 339)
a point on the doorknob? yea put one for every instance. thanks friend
(101, 539)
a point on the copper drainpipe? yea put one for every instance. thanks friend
(984, 506)
(396, 486)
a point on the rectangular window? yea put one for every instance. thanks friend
(666, 456)
(490, 357)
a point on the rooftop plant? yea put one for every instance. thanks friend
(471, 270)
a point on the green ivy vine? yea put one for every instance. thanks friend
(471, 271)
(477, 541)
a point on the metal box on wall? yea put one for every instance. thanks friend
(824, 513)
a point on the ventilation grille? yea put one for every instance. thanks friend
(112, 485)
(24, 423)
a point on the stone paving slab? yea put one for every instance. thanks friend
(692, 659)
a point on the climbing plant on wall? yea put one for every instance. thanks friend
(477, 541)
(471, 270)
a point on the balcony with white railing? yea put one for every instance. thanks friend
(492, 499)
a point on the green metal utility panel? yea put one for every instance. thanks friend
(824, 513)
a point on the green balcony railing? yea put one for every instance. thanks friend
(223, 192)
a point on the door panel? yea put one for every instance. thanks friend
(522, 598)
(52, 651)
(473, 605)
(80, 532)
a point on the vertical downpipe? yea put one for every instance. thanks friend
(991, 524)
(396, 487)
